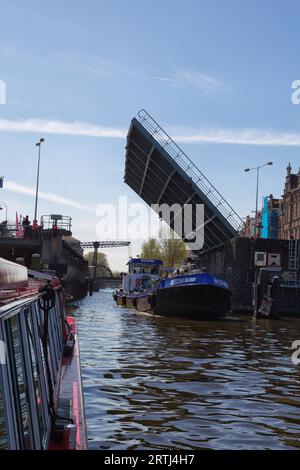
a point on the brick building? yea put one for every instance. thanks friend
(235, 263)
(289, 218)
(239, 260)
(279, 218)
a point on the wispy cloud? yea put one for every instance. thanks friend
(252, 136)
(61, 127)
(20, 189)
(168, 79)
(238, 136)
(108, 69)
(192, 78)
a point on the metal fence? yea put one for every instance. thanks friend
(62, 222)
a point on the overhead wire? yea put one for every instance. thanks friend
(23, 155)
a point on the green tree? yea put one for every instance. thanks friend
(174, 252)
(103, 268)
(151, 249)
(170, 249)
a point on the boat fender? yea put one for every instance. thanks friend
(65, 435)
(69, 345)
(134, 302)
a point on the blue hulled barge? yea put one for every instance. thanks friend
(191, 294)
(196, 295)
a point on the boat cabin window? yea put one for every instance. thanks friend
(155, 269)
(37, 378)
(3, 436)
(145, 269)
(19, 385)
(25, 420)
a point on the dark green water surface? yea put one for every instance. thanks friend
(164, 383)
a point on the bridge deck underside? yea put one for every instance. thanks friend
(155, 176)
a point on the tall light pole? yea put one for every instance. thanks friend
(38, 144)
(257, 168)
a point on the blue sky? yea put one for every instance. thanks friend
(217, 75)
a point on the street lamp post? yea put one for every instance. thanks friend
(38, 144)
(256, 274)
(257, 168)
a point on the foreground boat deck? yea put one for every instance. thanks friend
(69, 400)
(41, 397)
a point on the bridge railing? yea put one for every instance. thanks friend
(62, 222)
(158, 133)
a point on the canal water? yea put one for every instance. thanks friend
(164, 383)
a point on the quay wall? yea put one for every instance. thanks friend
(54, 254)
(234, 262)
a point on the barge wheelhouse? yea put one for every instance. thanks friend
(139, 283)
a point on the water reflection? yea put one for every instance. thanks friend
(161, 383)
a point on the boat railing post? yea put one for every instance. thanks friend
(8, 403)
(35, 312)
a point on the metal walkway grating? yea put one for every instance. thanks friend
(161, 173)
(158, 133)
